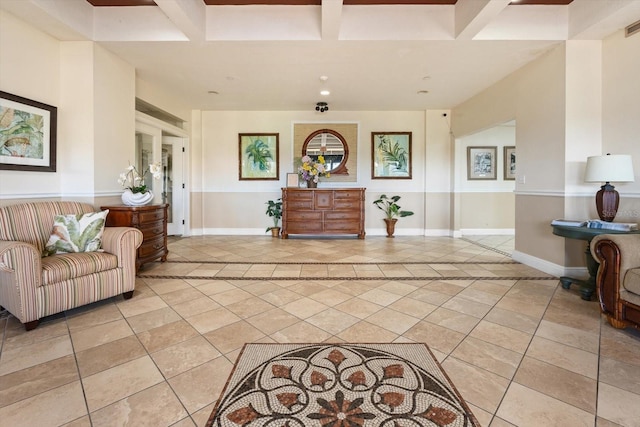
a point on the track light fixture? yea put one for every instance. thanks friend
(322, 107)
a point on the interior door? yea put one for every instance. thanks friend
(173, 191)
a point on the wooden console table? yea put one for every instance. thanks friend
(323, 211)
(587, 287)
(151, 220)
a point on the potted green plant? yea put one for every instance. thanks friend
(274, 210)
(392, 210)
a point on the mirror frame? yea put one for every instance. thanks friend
(341, 169)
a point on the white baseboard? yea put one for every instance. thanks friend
(487, 231)
(549, 267)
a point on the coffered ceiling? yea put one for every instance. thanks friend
(376, 54)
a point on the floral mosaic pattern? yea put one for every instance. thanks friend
(340, 385)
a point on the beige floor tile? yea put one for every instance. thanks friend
(415, 308)
(92, 315)
(617, 405)
(261, 287)
(513, 320)
(476, 385)
(37, 379)
(249, 307)
(620, 374)
(26, 356)
(167, 335)
(364, 332)
(212, 287)
(184, 295)
(187, 422)
(429, 296)
(483, 417)
(201, 417)
(570, 336)
(559, 383)
(280, 297)
(437, 337)
(466, 306)
(155, 406)
(79, 422)
(134, 306)
(502, 336)
(183, 356)
(398, 288)
(522, 306)
(488, 356)
(380, 297)
(304, 308)
(211, 320)
(330, 297)
(51, 408)
(233, 336)
(567, 357)
(196, 306)
(453, 320)
(107, 387)
(525, 407)
(202, 385)
(19, 337)
(105, 356)
(601, 422)
(165, 286)
(332, 321)
(359, 308)
(273, 320)
(301, 332)
(84, 339)
(499, 422)
(153, 319)
(623, 346)
(393, 320)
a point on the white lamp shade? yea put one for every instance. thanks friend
(609, 168)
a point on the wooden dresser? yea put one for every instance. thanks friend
(151, 220)
(323, 211)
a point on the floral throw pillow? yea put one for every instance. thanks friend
(76, 233)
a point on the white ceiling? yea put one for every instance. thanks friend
(375, 57)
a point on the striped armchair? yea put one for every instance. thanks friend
(32, 287)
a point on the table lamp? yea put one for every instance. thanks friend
(608, 168)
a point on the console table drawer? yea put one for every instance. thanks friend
(305, 216)
(152, 230)
(342, 226)
(346, 215)
(299, 227)
(152, 247)
(346, 204)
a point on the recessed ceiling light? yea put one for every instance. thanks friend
(324, 92)
(213, 92)
(423, 92)
(324, 78)
(426, 77)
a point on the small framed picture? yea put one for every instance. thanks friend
(390, 155)
(258, 156)
(293, 180)
(481, 163)
(27, 134)
(509, 163)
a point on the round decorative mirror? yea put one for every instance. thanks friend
(332, 146)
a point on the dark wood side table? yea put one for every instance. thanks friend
(587, 287)
(151, 220)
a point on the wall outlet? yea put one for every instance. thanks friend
(521, 179)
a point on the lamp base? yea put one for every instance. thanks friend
(607, 199)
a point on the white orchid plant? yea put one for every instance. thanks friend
(132, 180)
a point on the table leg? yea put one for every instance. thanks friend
(587, 287)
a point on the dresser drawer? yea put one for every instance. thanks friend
(355, 195)
(349, 226)
(346, 215)
(151, 216)
(151, 247)
(346, 204)
(300, 227)
(153, 229)
(304, 216)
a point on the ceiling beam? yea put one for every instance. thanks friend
(331, 19)
(188, 15)
(471, 16)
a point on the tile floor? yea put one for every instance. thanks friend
(521, 350)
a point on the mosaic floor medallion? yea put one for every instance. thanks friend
(339, 385)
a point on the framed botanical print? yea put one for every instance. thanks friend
(390, 155)
(258, 156)
(509, 163)
(27, 134)
(481, 163)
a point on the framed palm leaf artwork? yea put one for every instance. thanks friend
(259, 158)
(390, 155)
